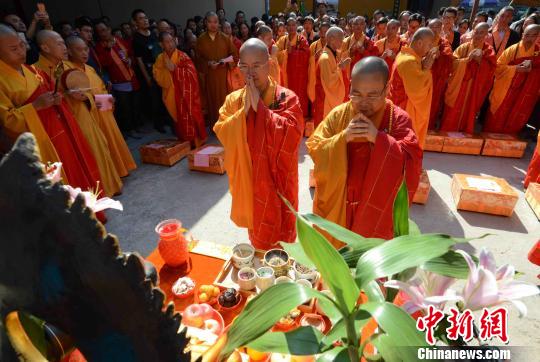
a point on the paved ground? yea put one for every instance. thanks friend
(154, 193)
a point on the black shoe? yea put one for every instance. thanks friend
(160, 129)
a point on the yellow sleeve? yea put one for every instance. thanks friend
(312, 72)
(331, 80)
(504, 74)
(162, 75)
(417, 81)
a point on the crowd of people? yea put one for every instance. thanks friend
(403, 76)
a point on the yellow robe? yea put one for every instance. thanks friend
(48, 67)
(418, 86)
(275, 72)
(331, 80)
(120, 153)
(504, 73)
(314, 52)
(89, 124)
(17, 117)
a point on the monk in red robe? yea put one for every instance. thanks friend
(533, 173)
(358, 45)
(390, 46)
(28, 103)
(260, 127)
(440, 71)
(470, 82)
(363, 151)
(176, 75)
(293, 56)
(517, 84)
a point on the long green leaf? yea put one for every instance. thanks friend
(303, 341)
(413, 228)
(337, 354)
(401, 211)
(352, 252)
(399, 254)
(450, 264)
(389, 351)
(265, 310)
(296, 251)
(329, 263)
(339, 329)
(337, 231)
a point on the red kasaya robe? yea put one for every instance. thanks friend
(440, 71)
(533, 173)
(262, 162)
(354, 52)
(77, 159)
(519, 93)
(467, 88)
(382, 45)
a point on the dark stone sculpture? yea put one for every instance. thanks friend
(58, 264)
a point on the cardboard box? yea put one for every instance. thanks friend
(309, 128)
(533, 198)
(485, 194)
(434, 141)
(312, 182)
(503, 145)
(208, 158)
(422, 192)
(463, 143)
(164, 152)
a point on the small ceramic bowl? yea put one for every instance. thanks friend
(278, 260)
(265, 277)
(304, 282)
(303, 272)
(247, 278)
(283, 279)
(230, 309)
(243, 255)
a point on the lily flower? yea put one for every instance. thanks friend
(425, 289)
(53, 172)
(91, 200)
(488, 285)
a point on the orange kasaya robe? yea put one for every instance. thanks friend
(467, 88)
(273, 63)
(440, 71)
(533, 173)
(85, 113)
(49, 68)
(181, 96)
(262, 162)
(357, 181)
(395, 46)
(315, 51)
(57, 134)
(498, 42)
(294, 66)
(411, 89)
(514, 94)
(214, 80)
(120, 153)
(329, 86)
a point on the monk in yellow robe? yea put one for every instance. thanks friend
(260, 127)
(315, 51)
(329, 85)
(28, 103)
(266, 35)
(212, 50)
(363, 151)
(176, 75)
(80, 103)
(411, 84)
(123, 160)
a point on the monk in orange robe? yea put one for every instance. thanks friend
(28, 104)
(533, 173)
(116, 145)
(363, 151)
(261, 127)
(358, 45)
(293, 58)
(315, 51)
(329, 85)
(266, 35)
(470, 82)
(517, 84)
(440, 71)
(390, 46)
(176, 75)
(212, 49)
(411, 84)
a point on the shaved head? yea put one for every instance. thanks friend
(532, 28)
(422, 34)
(334, 38)
(253, 62)
(480, 32)
(435, 22)
(373, 66)
(52, 45)
(73, 41)
(422, 41)
(77, 49)
(44, 36)
(7, 31)
(436, 26)
(252, 46)
(530, 35)
(482, 26)
(335, 32)
(12, 48)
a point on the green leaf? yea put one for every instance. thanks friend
(296, 251)
(352, 252)
(396, 323)
(339, 329)
(389, 351)
(337, 231)
(337, 354)
(35, 330)
(450, 264)
(413, 228)
(373, 292)
(399, 254)
(304, 341)
(401, 211)
(265, 310)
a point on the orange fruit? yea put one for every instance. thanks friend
(203, 298)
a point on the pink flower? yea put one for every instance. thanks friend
(425, 289)
(53, 172)
(91, 200)
(488, 285)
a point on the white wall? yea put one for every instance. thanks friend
(120, 10)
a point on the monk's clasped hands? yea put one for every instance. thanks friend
(47, 100)
(361, 129)
(252, 96)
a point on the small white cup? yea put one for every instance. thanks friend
(247, 284)
(265, 282)
(242, 261)
(304, 282)
(284, 279)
